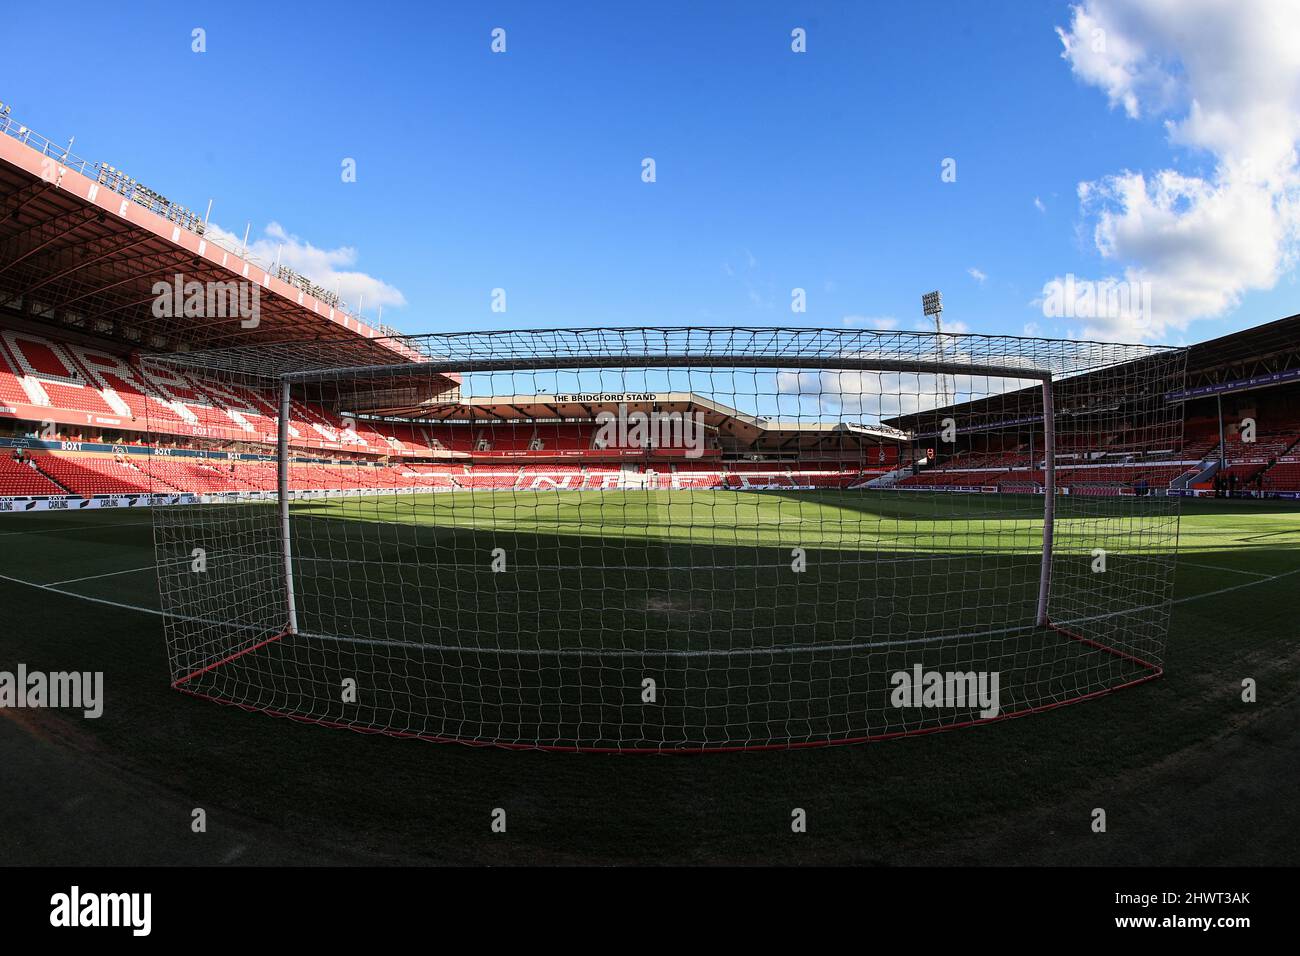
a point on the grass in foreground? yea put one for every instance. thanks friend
(927, 798)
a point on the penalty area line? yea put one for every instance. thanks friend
(642, 653)
(85, 597)
(1215, 567)
(773, 651)
(77, 527)
(179, 562)
(106, 574)
(129, 607)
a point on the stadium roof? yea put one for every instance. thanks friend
(1239, 361)
(786, 348)
(82, 246)
(588, 405)
(585, 405)
(906, 361)
(1273, 347)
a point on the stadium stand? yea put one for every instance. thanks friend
(1283, 476)
(66, 382)
(93, 475)
(72, 374)
(70, 390)
(19, 479)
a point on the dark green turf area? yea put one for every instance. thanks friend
(762, 619)
(1146, 753)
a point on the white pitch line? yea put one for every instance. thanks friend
(1185, 600)
(106, 574)
(728, 652)
(85, 597)
(778, 651)
(77, 527)
(305, 559)
(649, 652)
(130, 607)
(1215, 567)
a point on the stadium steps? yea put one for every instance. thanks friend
(1203, 472)
(888, 479)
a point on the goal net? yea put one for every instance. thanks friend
(669, 539)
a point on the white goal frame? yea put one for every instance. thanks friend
(940, 368)
(309, 584)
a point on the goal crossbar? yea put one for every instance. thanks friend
(829, 363)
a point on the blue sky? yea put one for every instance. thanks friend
(775, 170)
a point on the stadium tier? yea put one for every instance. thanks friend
(102, 421)
(63, 473)
(1284, 476)
(18, 479)
(71, 391)
(92, 475)
(77, 388)
(60, 473)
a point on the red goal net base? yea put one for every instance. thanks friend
(207, 684)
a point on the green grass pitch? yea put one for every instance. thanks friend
(764, 619)
(663, 569)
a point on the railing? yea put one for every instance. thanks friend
(187, 219)
(42, 145)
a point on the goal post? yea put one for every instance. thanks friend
(677, 539)
(1049, 500)
(282, 436)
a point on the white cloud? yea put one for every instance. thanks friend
(881, 323)
(873, 396)
(1227, 78)
(1105, 54)
(949, 325)
(327, 268)
(976, 274)
(1038, 204)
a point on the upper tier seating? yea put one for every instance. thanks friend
(69, 382)
(1264, 448)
